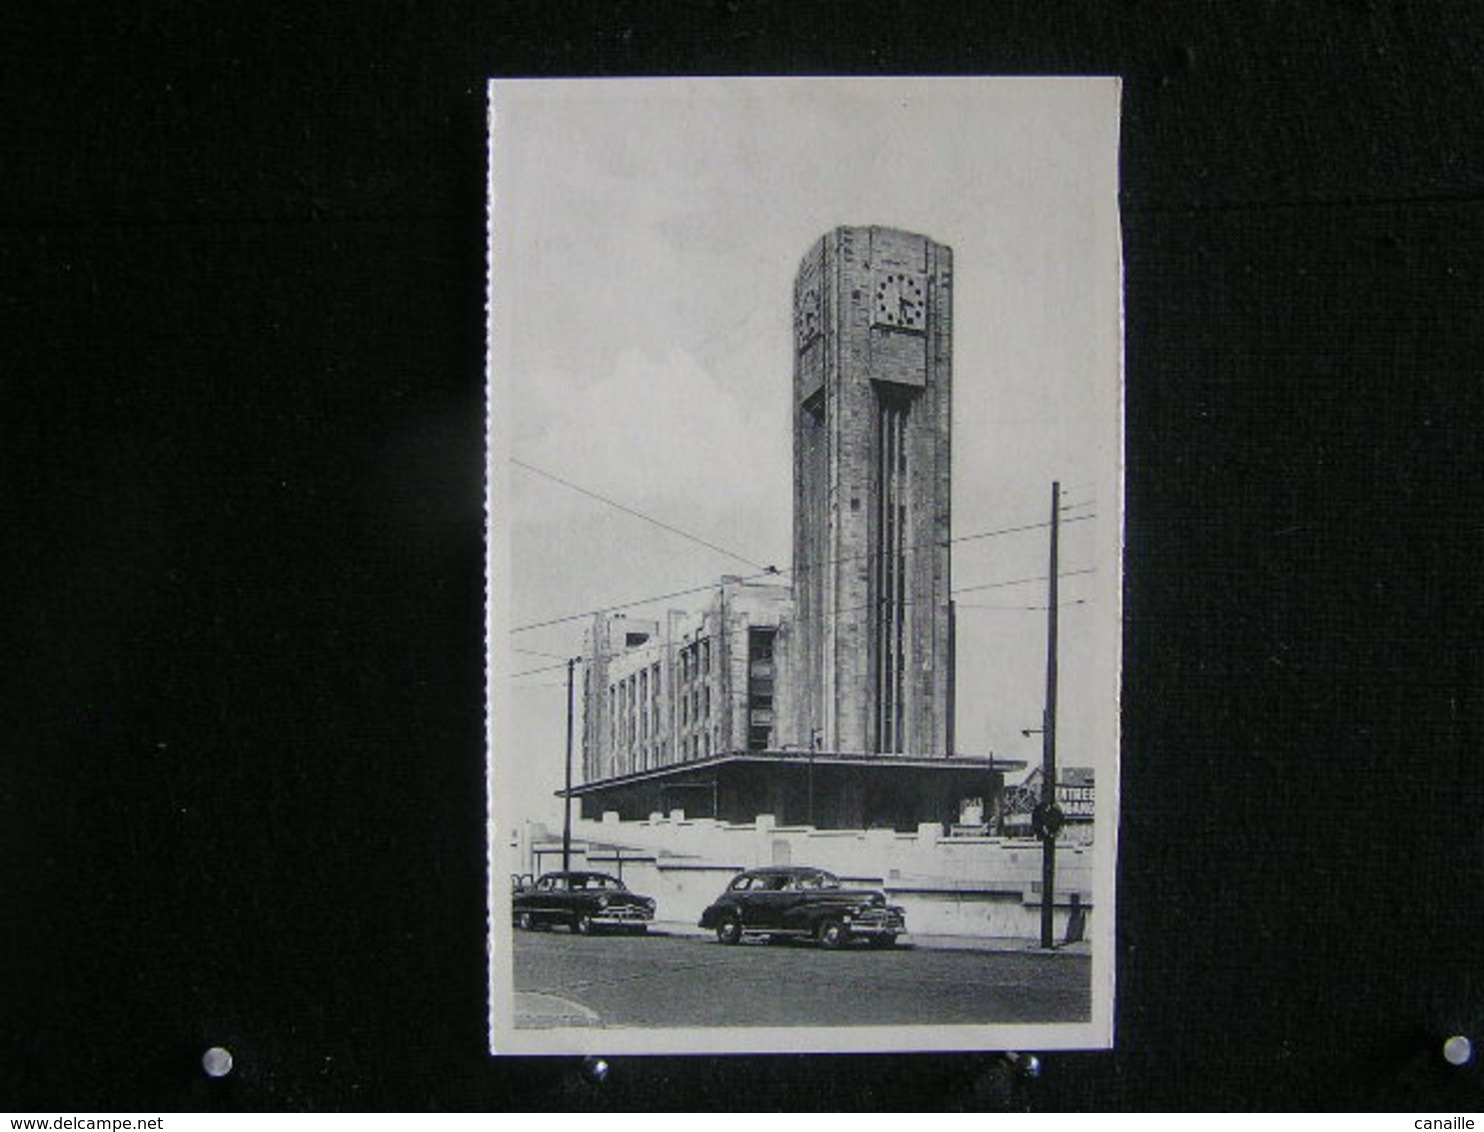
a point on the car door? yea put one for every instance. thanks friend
(794, 904)
(770, 902)
(551, 897)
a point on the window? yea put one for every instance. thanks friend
(760, 678)
(760, 643)
(814, 407)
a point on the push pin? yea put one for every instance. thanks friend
(595, 1069)
(1458, 1051)
(1026, 1064)
(216, 1062)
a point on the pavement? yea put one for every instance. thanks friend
(1009, 944)
(537, 1011)
(679, 976)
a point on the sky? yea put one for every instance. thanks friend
(645, 235)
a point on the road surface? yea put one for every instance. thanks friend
(690, 980)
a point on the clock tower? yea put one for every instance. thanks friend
(873, 635)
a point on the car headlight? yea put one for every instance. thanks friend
(649, 903)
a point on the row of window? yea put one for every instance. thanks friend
(634, 707)
(694, 661)
(639, 735)
(638, 738)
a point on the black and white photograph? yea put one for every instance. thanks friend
(805, 497)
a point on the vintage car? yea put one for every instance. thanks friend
(583, 901)
(802, 903)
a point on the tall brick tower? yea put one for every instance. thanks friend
(873, 339)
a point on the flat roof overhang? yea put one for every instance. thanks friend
(946, 764)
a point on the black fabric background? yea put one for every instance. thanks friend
(241, 300)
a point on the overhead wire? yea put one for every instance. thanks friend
(664, 643)
(636, 513)
(774, 572)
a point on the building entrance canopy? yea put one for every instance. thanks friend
(825, 790)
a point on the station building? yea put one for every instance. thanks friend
(827, 702)
(660, 693)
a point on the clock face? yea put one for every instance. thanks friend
(899, 300)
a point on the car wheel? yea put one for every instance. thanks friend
(583, 924)
(832, 934)
(524, 922)
(729, 930)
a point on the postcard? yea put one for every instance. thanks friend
(805, 527)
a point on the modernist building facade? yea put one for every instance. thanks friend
(656, 694)
(828, 702)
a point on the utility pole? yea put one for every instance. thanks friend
(1050, 826)
(813, 750)
(567, 794)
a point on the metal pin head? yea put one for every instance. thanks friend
(595, 1069)
(1458, 1050)
(216, 1062)
(1026, 1064)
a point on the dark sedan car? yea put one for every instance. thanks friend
(583, 901)
(805, 904)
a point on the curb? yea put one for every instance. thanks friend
(1012, 945)
(537, 1011)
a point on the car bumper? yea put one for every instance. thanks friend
(617, 917)
(877, 924)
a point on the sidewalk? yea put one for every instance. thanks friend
(1006, 944)
(537, 1011)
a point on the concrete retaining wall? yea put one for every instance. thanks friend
(968, 886)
